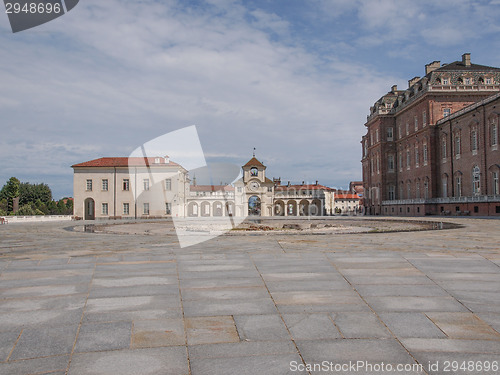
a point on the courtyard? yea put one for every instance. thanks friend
(126, 299)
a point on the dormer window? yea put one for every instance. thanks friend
(488, 81)
(468, 81)
(157, 160)
(460, 81)
(446, 81)
(254, 172)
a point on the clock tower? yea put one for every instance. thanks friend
(258, 189)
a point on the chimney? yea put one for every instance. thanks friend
(316, 182)
(412, 81)
(303, 182)
(466, 59)
(394, 88)
(432, 66)
(288, 184)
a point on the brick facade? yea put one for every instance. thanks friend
(433, 148)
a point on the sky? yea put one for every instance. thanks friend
(294, 79)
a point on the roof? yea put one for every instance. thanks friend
(125, 162)
(210, 188)
(303, 187)
(253, 162)
(459, 65)
(346, 196)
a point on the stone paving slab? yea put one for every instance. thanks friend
(79, 303)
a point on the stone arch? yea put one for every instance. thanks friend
(279, 208)
(315, 208)
(304, 208)
(205, 209)
(193, 209)
(291, 208)
(254, 206)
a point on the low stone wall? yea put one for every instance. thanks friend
(37, 219)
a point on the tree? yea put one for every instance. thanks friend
(11, 191)
(61, 207)
(30, 193)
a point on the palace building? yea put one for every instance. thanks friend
(433, 148)
(157, 187)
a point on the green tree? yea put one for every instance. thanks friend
(10, 191)
(61, 207)
(69, 207)
(30, 193)
(51, 208)
(26, 210)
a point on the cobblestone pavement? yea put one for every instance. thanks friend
(86, 303)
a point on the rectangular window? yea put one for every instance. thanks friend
(126, 184)
(467, 81)
(457, 145)
(487, 81)
(390, 163)
(376, 136)
(105, 185)
(496, 186)
(168, 184)
(407, 128)
(126, 209)
(240, 189)
(494, 134)
(89, 185)
(408, 159)
(446, 81)
(399, 132)
(146, 183)
(458, 186)
(104, 208)
(473, 142)
(390, 135)
(400, 161)
(417, 190)
(446, 112)
(269, 189)
(145, 207)
(417, 156)
(424, 119)
(443, 149)
(168, 208)
(425, 154)
(416, 123)
(391, 194)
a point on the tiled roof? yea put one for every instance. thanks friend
(205, 188)
(253, 162)
(346, 196)
(124, 162)
(303, 187)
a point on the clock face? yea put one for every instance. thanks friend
(254, 185)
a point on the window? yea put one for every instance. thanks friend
(488, 81)
(495, 182)
(417, 156)
(425, 154)
(168, 184)
(145, 208)
(473, 142)
(446, 81)
(378, 163)
(417, 190)
(444, 183)
(366, 148)
(392, 193)
(372, 170)
(407, 128)
(457, 145)
(408, 190)
(426, 189)
(146, 183)
(269, 189)
(408, 159)
(376, 135)
(416, 123)
(390, 136)
(168, 208)
(390, 163)
(89, 185)
(467, 81)
(476, 180)
(105, 185)
(126, 208)
(104, 208)
(494, 134)
(126, 184)
(424, 119)
(400, 161)
(443, 149)
(458, 186)
(446, 112)
(240, 189)
(399, 132)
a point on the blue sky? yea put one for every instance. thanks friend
(295, 79)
